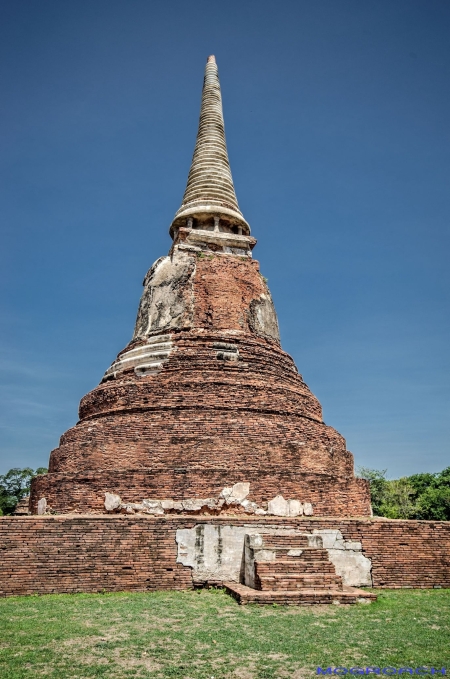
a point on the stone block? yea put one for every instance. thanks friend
(278, 506)
(349, 544)
(331, 539)
(250, 507)
(238, 493)
(264, 555)
(295, 508)
(150, 507)
(112, 502)
(42, 506)
(226, 493)
(192, 505)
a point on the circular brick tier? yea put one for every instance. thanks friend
(202, 397)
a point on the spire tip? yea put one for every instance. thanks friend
(210, 191)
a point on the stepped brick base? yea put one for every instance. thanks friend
(49, 554)
(347, 595)
(202, 398)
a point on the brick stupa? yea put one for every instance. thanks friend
(203, 412)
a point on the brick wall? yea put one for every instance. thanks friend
(120, 553)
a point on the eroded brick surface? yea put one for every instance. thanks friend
(114, 553)
(225, 404)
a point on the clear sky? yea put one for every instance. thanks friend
(337, 117)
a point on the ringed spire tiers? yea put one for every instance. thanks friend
(209, 201)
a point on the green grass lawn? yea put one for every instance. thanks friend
(206, 634)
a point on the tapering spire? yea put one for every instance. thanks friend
(210, 190)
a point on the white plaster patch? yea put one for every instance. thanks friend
(295, 508)
(112, 501)
(347, 557)
(217, 552)
(213, 552)
(167, 301)
(42, 506)
(238, 493)
(146, 359)
(226, 493)
(281, 507)
(263, 317)
(278, 506)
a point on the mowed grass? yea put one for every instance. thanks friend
(206, 634)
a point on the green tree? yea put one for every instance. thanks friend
(434, 501)
(421, 496)
(14, 485)
(398, 500)
(420, 482)
(377, 482)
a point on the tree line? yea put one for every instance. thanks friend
(420, 496)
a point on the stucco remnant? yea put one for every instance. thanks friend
(146, 359)
(167, 301)
(236, 494)
(112, 501)
(230, 498)
(223, 553)
(42, 506)
(216, 553)
(263, 317)
(281, 507)
(347, 557)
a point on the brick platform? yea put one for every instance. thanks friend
(119, 553)
(305, 597)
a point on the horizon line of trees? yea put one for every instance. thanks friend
(420, 496)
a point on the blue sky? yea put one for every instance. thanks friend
(337, 118)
